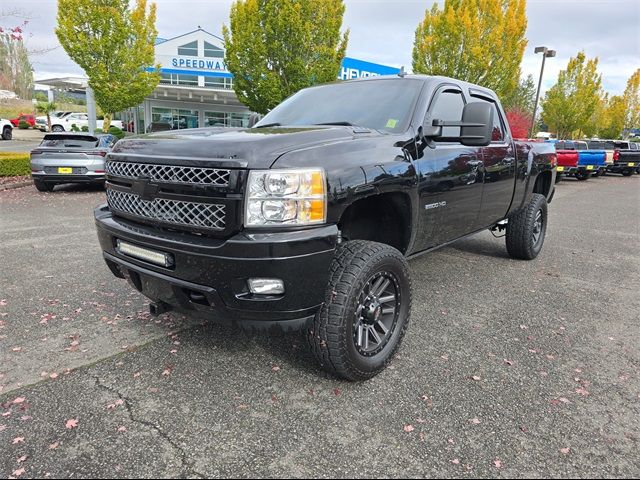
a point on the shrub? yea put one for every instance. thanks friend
(116, 132)
(14, 164)
(85, 128)
(74, 128)
(22, 125)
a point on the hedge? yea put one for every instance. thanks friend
(14, 164)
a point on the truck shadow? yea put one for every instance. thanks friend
(488, 247)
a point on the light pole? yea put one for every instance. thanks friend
(545, 53)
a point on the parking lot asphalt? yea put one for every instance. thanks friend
(509, 368)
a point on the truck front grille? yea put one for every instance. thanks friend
(170, 173)
(208, 216)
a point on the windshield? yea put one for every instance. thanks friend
(378, 104)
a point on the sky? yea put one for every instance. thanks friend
(382, 31)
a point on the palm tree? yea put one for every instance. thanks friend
(46, 108)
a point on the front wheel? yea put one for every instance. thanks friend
(366, 310)
(627, 173)
(7, 133)
(527, 229)
(57, 128)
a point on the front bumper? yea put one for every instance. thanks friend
(209, 276)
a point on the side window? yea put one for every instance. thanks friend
(448, 105)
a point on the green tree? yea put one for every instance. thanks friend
(115, 46)
(523, 98)
(276, 47)
(47, 108)
(570, 104)
(632, 102)
(479, 41)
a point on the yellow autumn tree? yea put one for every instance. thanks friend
(479, 41)
(631, 98)
(612, 121)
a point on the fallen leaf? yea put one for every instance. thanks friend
(137, 374)
(72, 423)
(17, 440)
(476, 378)
(508, 362)
(3, 303)
(19, 400)
(122, 429)
(54, 445)
(16, 349)
(455, 461)
(53, 376)
(22, 459)
(565, 451)
(120, 401)
(475, 421)
(498, 463)
(408, 428)
(275, 368)
(582, 391)
(337, 391)
(18, 472)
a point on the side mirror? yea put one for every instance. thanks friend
(478, 117)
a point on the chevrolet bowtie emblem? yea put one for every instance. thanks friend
(144, 188)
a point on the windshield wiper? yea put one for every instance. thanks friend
(275, 124)
(345, 124)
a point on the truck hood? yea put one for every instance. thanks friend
(246, 148)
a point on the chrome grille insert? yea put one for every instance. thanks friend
(201, 215)
(169, 173)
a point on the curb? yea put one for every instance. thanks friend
(10, 186)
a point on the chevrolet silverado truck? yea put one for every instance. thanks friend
(306, 220)
(567, 159)
(626, 158)
(590, 162)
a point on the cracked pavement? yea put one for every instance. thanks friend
(509, 369)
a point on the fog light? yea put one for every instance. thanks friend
(266, 286)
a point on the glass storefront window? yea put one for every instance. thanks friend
(177, 119)
(218, 82)
(176, 79)
(226, 119)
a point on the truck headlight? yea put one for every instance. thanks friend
(286, 197)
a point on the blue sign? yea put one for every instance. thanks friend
(353, 68)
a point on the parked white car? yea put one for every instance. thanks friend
(6, 129)
(64, 123)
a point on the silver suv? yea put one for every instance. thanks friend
(70, 158)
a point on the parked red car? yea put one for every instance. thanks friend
(30, 119)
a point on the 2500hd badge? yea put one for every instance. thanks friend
(306, 220)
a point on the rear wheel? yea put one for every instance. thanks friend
(43, 186)
(57, 128)
(7, 133)
(596, 174)
(582, 175)
(627, 173)
(526, 230)
(366, 311)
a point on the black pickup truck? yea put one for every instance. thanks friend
(306, 220)
(626, 158)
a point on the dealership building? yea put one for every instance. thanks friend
(196, 90)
